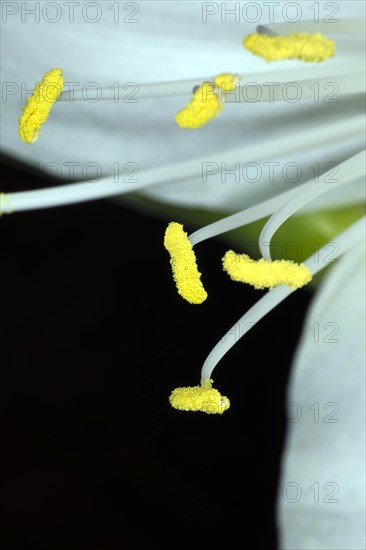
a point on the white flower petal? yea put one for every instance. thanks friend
(321, 500)
(169, 42)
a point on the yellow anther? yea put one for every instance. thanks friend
(204, 106)
(312, 48)
(263, 273)
(38, 106)
(226, 82)
(206, 102)
(199, 398)
(183, 262)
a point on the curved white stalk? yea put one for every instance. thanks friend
(316, 262)
(280, 91)
(108, 187)
(349, 170)
(294, 198)
(270, 90)
(244, 217)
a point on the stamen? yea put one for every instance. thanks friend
(36, 110)
(313, 48)
(265, 274)
(315, 263)
(347, 83)
(244, 217)
(202, 398)
(226, 81)
(331, 133)
(348, 171)
(284, 205)
(205, 103)
(184, 87)
(204, 106)
(184, 266)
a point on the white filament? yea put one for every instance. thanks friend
(317, 261)
(349, 170)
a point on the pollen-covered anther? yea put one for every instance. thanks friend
(38, 106)
(226, 82)
(184, 266)
(202, 398)
(312, 48)
(207, 102)
(265, 273)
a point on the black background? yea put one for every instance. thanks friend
(94, 339)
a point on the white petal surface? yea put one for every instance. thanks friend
(168, 41)
(321, 497)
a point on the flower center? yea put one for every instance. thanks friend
(281, 277)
